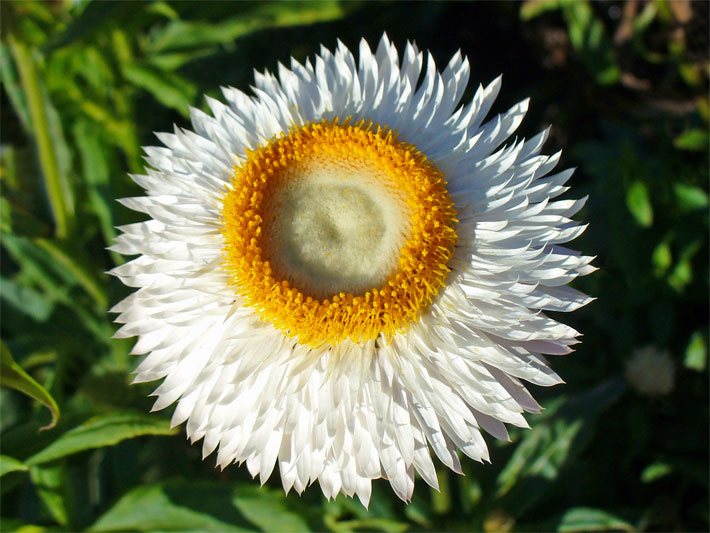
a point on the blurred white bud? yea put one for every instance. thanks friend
(650, 371)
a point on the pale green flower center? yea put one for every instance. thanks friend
(337, 229)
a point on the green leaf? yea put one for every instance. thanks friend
(367, 524)
(558, 436)
(590, 41)
(531, 9)
(9, 464)
(13, 376)
(26, 300)
(655, 471)
(644, 19)
(51, 145)
(16, 213)
(100, 431)
(682, 274)
(696, 353)
(695, 140)
(662, 258)
(52, 485)
(250, 17)
(72, 261)
(690, 198)
(96, 16)
(95, 170)
(37, 267)
(162, 9)
(268, 511)
(639, 203)
(55, 275)
(11, 84)
(168, 88)
(18, 526)
(587, 519)
(174, 60)
(183, 505)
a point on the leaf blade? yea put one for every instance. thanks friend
(638, 201)
(202, 506)
(101, 431)
(581, 519)
(14, 377)
(10, 464)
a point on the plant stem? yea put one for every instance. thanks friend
(53, 179)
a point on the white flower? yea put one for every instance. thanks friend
(650, 372)
(348, 270)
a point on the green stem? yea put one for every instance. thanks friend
(61, 210)
(80, 272)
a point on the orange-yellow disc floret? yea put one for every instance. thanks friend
(424, 257)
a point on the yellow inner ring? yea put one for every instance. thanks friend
(421, 269)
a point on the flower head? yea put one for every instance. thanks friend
(650, 372)
(348, 270)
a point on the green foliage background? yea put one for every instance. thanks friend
(84, 85)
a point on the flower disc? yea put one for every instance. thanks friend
(338, 231)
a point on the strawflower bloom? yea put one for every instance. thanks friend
(348, 270)
(650, 372)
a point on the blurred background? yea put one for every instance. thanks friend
(623, 445)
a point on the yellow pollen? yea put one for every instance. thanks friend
(308, 298)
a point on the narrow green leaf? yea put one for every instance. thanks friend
(51, 146)
(696, 354)
(63, 154)
(162, 9)
(662, 258)
(19, 526)
(9, 464)
(195, 505)
(643, 21)
(52, 485)
(13, 376)
(95, 170)
(96, 16)
(639, 203)
(100, 431)
(587, 519)
(268, 511)
(168, 88)
(71, 261)
(682, 274)
(589, 39)
(56, 280)
(5, 215)
(35, 266)
(655, 471)
(558, 436)
(368, 524)
(694, 140)
(16, 213)
(689, 197)
(174, 60)
(530, 9)
(12, 86)
(27, 300)
(185, 35)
